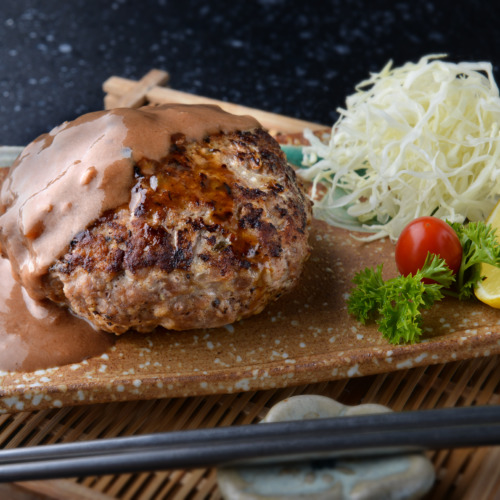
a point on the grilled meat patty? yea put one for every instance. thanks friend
(213, 232)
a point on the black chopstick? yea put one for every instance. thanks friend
(336, 437)
(375, 422)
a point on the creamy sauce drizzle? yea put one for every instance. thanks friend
(66, 179)
(60, 184)
(35, 335)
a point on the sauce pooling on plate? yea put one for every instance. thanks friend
(36, 335)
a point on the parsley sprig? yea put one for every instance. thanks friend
(479, 245)
(396, 304)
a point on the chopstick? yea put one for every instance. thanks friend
(365, 435)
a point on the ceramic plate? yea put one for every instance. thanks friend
(304, 337)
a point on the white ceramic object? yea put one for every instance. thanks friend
(401, 477)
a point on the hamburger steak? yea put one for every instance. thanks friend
(213, 230)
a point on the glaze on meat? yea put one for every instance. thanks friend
(214, 231)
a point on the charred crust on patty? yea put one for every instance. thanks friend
(224, 217)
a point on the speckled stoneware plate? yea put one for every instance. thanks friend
(305, 337)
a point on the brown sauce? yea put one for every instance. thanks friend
(66, 179)
(36, 335)
(60, 184)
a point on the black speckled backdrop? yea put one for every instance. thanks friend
(291, 57)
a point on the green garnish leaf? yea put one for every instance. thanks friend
(400, 318)
(365, 300)
(479, 245)
(395, 304)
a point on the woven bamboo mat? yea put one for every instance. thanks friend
(465, 474)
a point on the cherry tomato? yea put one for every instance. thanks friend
(423, 235)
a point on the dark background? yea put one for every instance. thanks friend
(297, 58)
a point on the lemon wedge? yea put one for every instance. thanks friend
(488, 290)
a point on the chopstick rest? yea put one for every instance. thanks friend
(401, 476)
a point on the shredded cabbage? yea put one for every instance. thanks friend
(421, 139)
